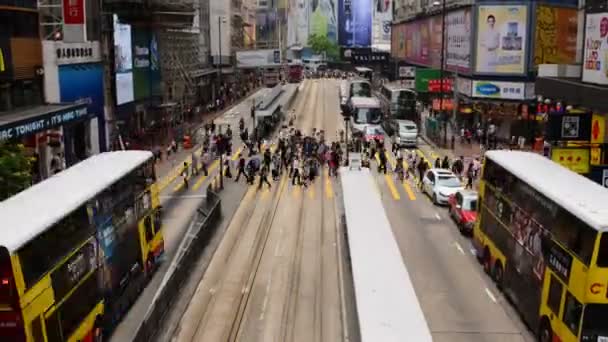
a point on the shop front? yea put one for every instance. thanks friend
(45, 131)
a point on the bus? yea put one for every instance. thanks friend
(365, 73)
(296, 72)
(542, 235)
(386, 303)
(365, 112)
(398, 104)
(355, 87)
(77, 248)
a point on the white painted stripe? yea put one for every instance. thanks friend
(491, 295)
(437, 216)
(457, 245)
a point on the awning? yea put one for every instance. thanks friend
(573, 92)
(20, 123)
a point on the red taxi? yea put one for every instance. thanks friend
(463, 209)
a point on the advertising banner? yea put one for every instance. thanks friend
(83, 83)
(596, 49)
(575, 159)
(407, 72)
(258, 58)
(141, 64)
(458, 36)
(398, 41)
(423, 41)
(423, 76)
(355, 22)
(502, 32)
(74, 28)
(123, 62)
(323, 19)
(382, 18)
(555, 37)
(155, 76)
(297, 23)
(598, 129)
(499, 90)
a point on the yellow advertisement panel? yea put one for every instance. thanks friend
(596, 156)
(556, 31)
(502, 32)
(598, 129)
(576, 159)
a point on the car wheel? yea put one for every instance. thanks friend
(435, 199)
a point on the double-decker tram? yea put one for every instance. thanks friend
(542, 234)
(77, 249)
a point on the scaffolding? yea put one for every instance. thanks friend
(51, 18)
(177, 24)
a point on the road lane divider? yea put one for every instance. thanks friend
(409, 191)
(392, 187)
(311, 191)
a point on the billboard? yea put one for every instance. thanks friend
(596, 49)
(381, 30)
(141, 64)
(458, 36)
(123, 62)
(258, 58)
(575, 159)
(423, 41)
(499, 90)
(323, 19)
(502, 32)
(355, 22)
(6, 59)
(74, 27)
(398, 41)
(297, 23)
(555, 36)
(83, 82)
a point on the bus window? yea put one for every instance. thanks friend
(602, 253)
(555, 295)
(53, 329)
(368, 116)
(573, 310)
(37, 329)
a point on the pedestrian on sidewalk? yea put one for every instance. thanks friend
(295, 168)
(205, 160)
(458, 166)
(240, 168)
(438, 163)
(382, 157)
(264, 177)
(185, 174)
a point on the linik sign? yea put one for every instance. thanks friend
(74, 52)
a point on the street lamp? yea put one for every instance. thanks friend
(442, 69)
(220, 20)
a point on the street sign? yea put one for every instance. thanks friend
(598, 129)
(605, 178)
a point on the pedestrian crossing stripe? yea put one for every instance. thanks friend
(408, 190)
(311, 191)
(392, 187)
(329, 191)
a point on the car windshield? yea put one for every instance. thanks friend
(407, 127)
(470, 204)
(368, 116)
(449, 181)
(361, 89)
(373, 131)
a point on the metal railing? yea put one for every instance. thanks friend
(201, 230)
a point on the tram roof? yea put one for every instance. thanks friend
(32, 211)
(581, 196)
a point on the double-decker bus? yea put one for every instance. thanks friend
(77, 248)
(542, 235)
(398, 104)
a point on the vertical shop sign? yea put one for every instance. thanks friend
(502, 32)
(596, 49)
(458, 31)
(74, 21)
(6, 61)
(598, 129)
(556, 33)
(141, 64)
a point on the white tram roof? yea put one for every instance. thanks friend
(364, 102)
(584, 198)
(387, 307)
(363, 69)
(397, 86)
(35, 209)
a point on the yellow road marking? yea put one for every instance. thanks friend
(235, 156)
(265, 192)
(377, 156)
(409, 191)
(200, 181)
(329, 191)
(311, 191)
(392, 187)
(296, 190)
(178, 187)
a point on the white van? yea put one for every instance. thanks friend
(364, 111)
(407, 135)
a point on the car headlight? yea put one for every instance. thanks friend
(442, 194)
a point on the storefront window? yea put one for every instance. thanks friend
(19, 94)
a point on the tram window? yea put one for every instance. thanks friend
(148, 228)
(555, 295)
(573, 310)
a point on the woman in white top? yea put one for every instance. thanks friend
(490, 42)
